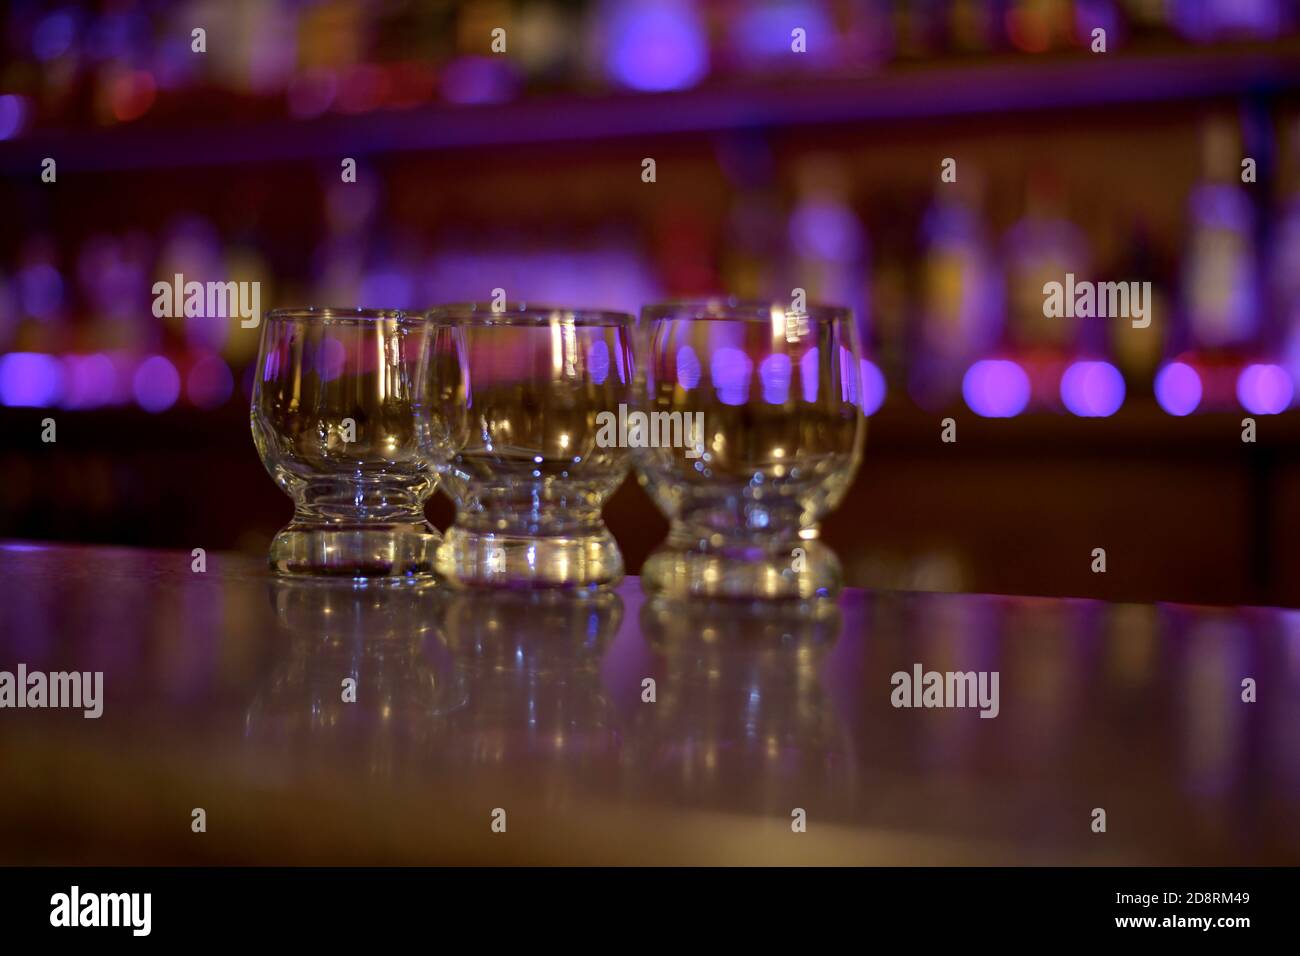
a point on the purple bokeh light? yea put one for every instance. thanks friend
(1092, 389)
(53, 36)
(91, 381)
(774, 373)
(995, 388)
(31, 380)
(731, 369)
(474, 80)
(209, 383)
(762, 31)
(331, 358)
(40, 286)
(809, 381)
(656, 46)
(688, 368)
(392, 285)
(1265, 389)
(827, 230)
(849, 380)
(621, 356)
(13, 112)
(1178, 388)
(598, 361)
(873, 387)
(156, 384)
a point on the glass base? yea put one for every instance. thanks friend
(494, 559)
(394, 552)
(694, 566)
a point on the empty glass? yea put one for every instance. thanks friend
(528, 395)
(334, 421)
(774, 397)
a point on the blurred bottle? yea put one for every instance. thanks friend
(754, 232)
(1138, 350)
(1220, 285)
(962, 304)
(1284, 269)
(828, 242)
(1044, 246)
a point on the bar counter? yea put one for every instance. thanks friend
(519, 728)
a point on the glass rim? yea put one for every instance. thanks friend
(735, 309)
(523, 314)
(328, 314)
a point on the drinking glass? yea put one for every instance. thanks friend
(334, 420)
(528, 394)
(773, 397)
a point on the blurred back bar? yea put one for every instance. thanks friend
(616, 152)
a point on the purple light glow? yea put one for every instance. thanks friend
(995, 388)
(156, 384)
(274, 359)
(620, 358)
(331, 359)
(656, 46)
(731, 370)
(53, 36)
(114, 35)
(873, 387)
(826, 230)
(688, 368)
(210, 382)
(41, 288)
(1178, 388)
(393, 286)
(774, 373)
(173, 63)
(91, 381)
(1092, 389)
(31, 380)
(13, 111)
(1091, 14)
(471, 80)
(598, 361)
(763, 31)
(1203, 20)
(1265, 389)
(808, 380)
(849, 381)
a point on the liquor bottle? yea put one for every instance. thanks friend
(828, 242)
(1043, 247)
(1284, 268)
(1220, 284)
(962, 304)
(1138, 350)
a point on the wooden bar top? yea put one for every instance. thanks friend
(535, 728)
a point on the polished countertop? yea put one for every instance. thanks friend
(772, 736)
